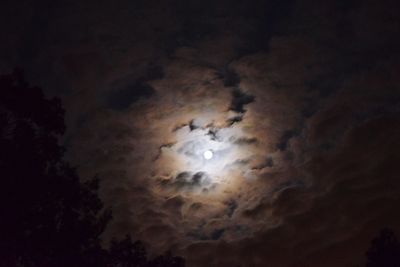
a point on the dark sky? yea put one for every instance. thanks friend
(298, 100)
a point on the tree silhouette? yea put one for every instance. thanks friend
(127, 254)
(48, 217)
(167, 260)
(384, 250)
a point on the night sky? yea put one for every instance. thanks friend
(297, 101)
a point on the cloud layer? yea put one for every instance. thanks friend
(301, 111)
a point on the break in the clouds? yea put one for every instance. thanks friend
(297, 101)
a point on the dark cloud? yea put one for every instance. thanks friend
(234, 120)
(174, 204)
(217, 234)
(183, 177)
(153, 72)
(268, 163)
(239, 100)
(232, 206)
(190, 181)
(213, 133)
(126, 92)
(257, 212)
(246, 141)
(287, 135)
(199, 234)
(230, 77)
(193, 126)
(163, 146)
(122, 98)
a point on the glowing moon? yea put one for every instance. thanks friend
(208, 154)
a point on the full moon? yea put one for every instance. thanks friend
(208, 154)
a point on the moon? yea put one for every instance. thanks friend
(208, 154)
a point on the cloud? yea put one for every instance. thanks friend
(124, 97)
(230, 77)
(190, 181)
(246, 141)
(239, 99)
(301, 115)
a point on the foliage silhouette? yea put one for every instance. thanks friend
(48, 217)
(384, 250)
